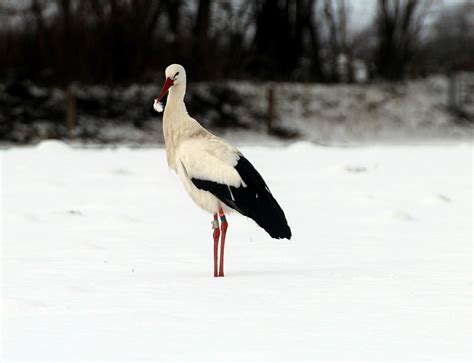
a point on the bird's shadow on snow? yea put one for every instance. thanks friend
(283, 272)
(252, 273)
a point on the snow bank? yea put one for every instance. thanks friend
(52, 147)
(408, 111)
(326, 114)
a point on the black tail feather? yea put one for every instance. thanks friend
(253, 199)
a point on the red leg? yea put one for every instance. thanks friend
(215, 235)
(224, 225)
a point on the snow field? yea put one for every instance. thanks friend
(104, 257)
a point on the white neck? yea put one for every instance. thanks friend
(177, 125)
(175, 102)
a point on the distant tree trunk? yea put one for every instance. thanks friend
(346, 40)
(267, 37)
(37, 10)
(65, 9)
(333, 40)
(202, 37)
(340, 52)
(279, 36)
(152, 11)
(174, 16)
(299, 27)
(316, 63)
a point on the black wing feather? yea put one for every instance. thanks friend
(253, 200)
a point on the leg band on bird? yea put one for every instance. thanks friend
(215, 224)
(222, 215)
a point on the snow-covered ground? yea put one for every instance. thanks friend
(105, 258)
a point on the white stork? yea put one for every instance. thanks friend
(215, 174)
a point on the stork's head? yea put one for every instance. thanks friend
(175, 74)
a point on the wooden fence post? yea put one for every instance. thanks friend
(70, 105)
(271, 109)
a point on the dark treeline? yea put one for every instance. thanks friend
(94, 41)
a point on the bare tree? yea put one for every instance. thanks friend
(285, 32)
(37, 7)
(314, 40)
(451, 44)
(398, 26)
(202, 36)
(123, 34)
(235, 21)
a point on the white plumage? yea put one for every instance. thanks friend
(199, 158)
(217, 177)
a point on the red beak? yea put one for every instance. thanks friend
(168, 83)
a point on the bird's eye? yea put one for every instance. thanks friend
(176, 74)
